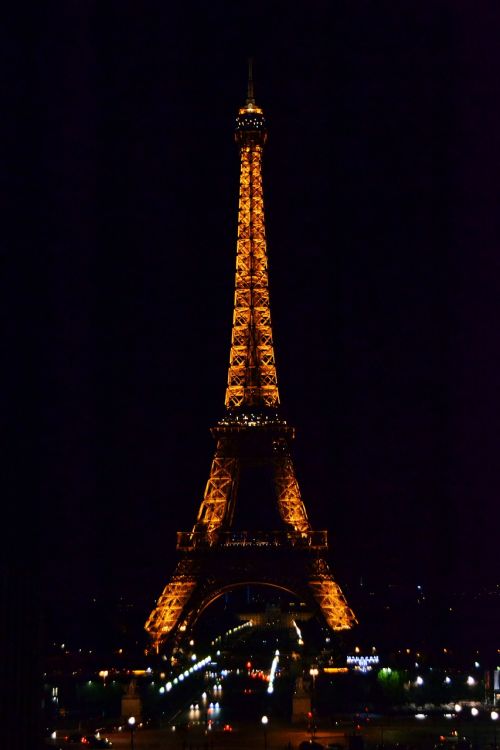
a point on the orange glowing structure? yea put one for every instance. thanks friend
(215, 557)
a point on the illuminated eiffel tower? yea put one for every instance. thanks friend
(215, 557)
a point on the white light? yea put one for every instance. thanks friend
(131, 720)
(270, 689)
(193, 658)
(420, 716)
(448, 716)
(162, 690)
(494, 715)
(476, 664)
(168, 686)
(447, 680)
(474, 711)
(53, 735)
(458, 708)
(264, 720)
(419, 681)
(471, 680)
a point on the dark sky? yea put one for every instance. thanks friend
(381, 178)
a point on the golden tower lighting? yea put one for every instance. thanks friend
(214, 556)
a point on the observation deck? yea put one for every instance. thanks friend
(187, 541)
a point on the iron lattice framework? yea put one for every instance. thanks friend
(215, 557)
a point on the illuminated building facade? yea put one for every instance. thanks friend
(214, 556)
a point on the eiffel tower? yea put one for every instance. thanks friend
(215, 557)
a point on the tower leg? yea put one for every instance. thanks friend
(172, 602)
(330, 598)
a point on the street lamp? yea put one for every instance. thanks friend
(494, 718)
(265, 722)
(314, 671)
(474, 712)
(131, 723)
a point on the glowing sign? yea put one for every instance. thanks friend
(362, 663)
(335, 670)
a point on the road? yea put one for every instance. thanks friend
(393, 733)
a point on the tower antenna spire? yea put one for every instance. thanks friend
(250, 94)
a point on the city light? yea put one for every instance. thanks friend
(272, 673)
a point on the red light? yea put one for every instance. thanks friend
(249, 665)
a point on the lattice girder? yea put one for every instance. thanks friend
(330, 598)
(252, 379)
(169, 607)
(292, 509)
(221, 487)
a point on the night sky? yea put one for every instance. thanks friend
(381, 186)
